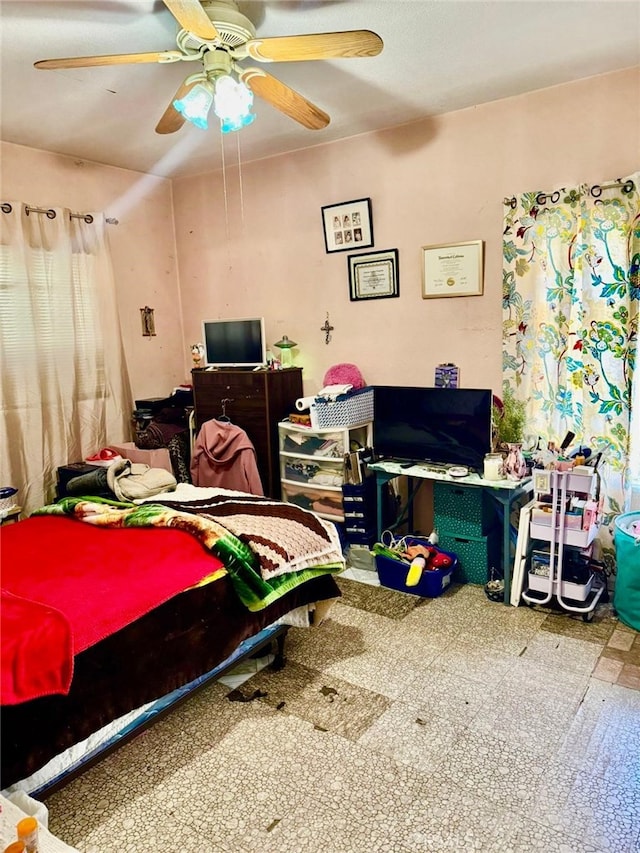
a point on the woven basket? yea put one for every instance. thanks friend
(8, 498)
(347, 410)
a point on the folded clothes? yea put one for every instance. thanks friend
(325, 506)
(326, 478)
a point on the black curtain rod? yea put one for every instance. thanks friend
(596, 191)
(51, 214)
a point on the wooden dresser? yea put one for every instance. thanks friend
(256, 401)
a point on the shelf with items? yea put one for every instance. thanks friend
(564, 514)
(312, 465)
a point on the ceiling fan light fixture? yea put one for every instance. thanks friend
(232, 103)
(195, 105)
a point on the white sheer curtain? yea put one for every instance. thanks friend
(65, 387)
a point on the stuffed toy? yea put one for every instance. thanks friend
(344, 374)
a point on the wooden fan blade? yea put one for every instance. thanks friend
(284, 98)
(112, 59)
(192, 17)
(171, 119)
(347, 45)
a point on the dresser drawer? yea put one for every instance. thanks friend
(242, 385)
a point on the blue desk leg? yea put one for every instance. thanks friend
(380, 481)
(506, 551)
(507, 502)
(506, 499)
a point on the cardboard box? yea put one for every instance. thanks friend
(158, 458)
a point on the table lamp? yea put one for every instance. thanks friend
(285, 345)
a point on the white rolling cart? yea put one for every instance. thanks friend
(565, 530)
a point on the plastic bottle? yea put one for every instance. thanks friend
(415, 571)
(27, 830)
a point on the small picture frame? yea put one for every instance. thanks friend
(348, 225)
(373, 275)
(452, 269)
(542, 481)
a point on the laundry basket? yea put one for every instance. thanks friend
(626, 596)
(8, 500)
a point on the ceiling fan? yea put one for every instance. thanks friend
(215, 34)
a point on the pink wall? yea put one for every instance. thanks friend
(436, 181)
(142, 245)
(440, 180)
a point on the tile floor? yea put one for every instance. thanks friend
(400, 725)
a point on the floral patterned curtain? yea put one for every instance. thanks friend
(571, 291)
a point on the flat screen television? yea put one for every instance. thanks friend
(439, 425)
(234, 343)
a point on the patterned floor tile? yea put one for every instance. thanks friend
(603, 812)
(520, 835)
(621, 639)
(571, 625)
(604, 736)
(528, 718)
(473, 662)
(630, 676)
(398, 726)
(327, 701)
(331, 642)
(607, 669)
(408, 734)
(375, 670)
(447, 695)
(348, 799)
(526, 676)
(563, 652)
(448, 819)
(377, 599)
(507, 774)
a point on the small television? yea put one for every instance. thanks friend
(234, 343)
(445, 426)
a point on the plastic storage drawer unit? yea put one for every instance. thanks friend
(359, 502)
(466, 510)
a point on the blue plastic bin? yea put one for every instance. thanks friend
(393, 573)
(626, 595)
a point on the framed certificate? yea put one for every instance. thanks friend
(452, 270)
(373, 275)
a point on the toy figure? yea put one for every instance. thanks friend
(197, 354)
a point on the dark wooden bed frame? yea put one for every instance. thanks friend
(191, 635)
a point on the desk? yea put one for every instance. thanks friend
(504, 492)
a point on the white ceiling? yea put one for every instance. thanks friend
(438, 56)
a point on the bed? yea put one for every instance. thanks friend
(109, 607)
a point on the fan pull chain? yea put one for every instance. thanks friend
(240, 181)
(224, 186)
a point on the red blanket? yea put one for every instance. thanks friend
(96, 580)
(37, 653)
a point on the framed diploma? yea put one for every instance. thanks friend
(373, 275)
(452, 270)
